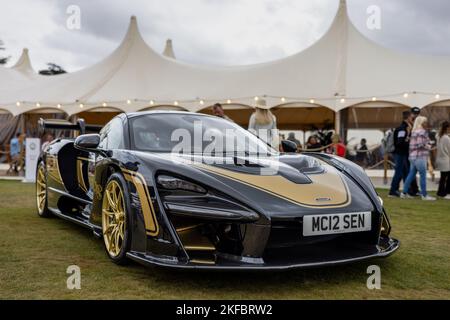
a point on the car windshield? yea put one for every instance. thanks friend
(189, 133)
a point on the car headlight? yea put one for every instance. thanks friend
(199, 202)
(172, 183)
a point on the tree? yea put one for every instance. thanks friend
(3, 60)
(52, 69)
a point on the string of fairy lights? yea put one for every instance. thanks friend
(208, 102)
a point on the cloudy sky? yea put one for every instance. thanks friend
(214, 32)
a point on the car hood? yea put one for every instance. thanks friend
(286, 186)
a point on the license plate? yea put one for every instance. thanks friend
(316, 225)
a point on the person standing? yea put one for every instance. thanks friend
(414, 188)
(362, 153)
(291, 137)
(48, 138)
(419, 150)
(313, 144)
(14, 152)
(415, 112)
(443, 160)
(263, 123)
(402, 136)
(217, 110)
(401, 152)
(338, 147)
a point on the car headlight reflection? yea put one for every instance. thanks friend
(381, 201)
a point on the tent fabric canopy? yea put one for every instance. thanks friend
(23, 65)
(341, 69)
(168, 50)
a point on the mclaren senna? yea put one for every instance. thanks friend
(160, 188)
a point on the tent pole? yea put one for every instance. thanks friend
(337, 122)
(22, 123)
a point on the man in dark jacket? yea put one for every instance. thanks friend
(401, 154)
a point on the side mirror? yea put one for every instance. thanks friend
(87, 142)
(288, 146)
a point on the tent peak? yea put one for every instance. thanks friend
(134, 41)
(168, 49)
(133, 24)
(133, 33)
(23, 64)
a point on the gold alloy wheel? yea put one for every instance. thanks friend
(41, 189)
(113, 218)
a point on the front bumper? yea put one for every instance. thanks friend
(318, 258)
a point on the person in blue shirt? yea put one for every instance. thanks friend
(14, 152)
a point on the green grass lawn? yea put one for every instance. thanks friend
(35, 253)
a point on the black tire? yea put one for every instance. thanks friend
(121, 257)
(41, 191)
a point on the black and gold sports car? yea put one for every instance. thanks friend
(186, 190)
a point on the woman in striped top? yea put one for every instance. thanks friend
(419, 151)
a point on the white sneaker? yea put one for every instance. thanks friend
(428, 198)
(405, 196)
(447, 197)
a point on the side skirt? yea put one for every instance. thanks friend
(97, 231)
(79, 221)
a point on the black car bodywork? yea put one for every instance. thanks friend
(239, 220)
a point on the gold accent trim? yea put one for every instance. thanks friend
(84, 159)
(182, 229)
(384, 225)
(193, 240)
(53, 169)
(151, 224)
(200, 248)
(80, 176)
(329, 184)
(202, 261)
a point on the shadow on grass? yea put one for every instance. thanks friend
(329, 274)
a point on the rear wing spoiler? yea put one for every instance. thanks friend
(80, 125)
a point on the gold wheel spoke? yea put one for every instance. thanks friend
(110, 245)
(115, 196)
(116, 242)
(119, 207)
(116, 199)
(121, 230)
(110, 200)
(110, 228)
(108, 213)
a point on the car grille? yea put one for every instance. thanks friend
(285, 234)
(287, 244)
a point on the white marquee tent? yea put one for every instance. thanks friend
(23, 65)
(342, 69)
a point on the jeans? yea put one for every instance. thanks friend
(444, 184)
(417, 165)
(402, 166)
